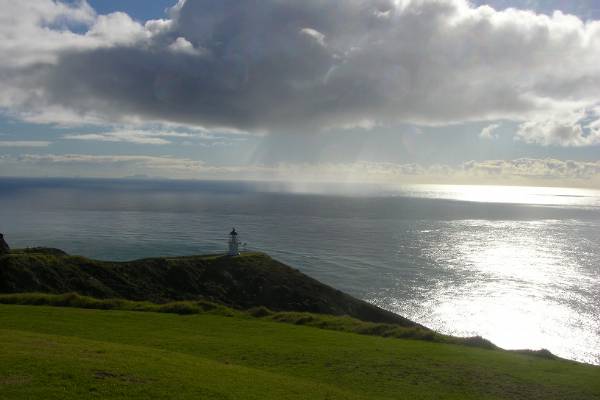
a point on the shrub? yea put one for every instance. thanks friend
(181, 308)
(259, 312)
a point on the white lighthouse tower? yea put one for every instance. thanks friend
(234, 244)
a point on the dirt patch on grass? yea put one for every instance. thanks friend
(14, 380)
(127, 378)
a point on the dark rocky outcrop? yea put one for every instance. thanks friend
(4, 248)
(246, 281)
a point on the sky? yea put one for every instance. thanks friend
(386, 91)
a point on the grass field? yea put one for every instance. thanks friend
(71, 353)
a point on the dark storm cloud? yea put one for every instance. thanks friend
(274, 65)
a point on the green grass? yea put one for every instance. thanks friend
(73, 353)
(322, 321)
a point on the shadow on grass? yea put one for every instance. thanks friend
(77, 301)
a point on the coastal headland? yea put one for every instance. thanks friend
(237, 327)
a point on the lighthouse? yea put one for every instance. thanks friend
(234, 244)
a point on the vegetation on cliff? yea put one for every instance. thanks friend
(246, 281)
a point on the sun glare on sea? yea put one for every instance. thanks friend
(532, 195)
(519, 279)
(517, 285)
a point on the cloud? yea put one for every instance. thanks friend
(181, 45)
(38, 31)
(314, 35)
(524, 171)
(154, 136)
(519, 171)
(129, 136)
(153, 161)
(534, 169)
(489, 132)
(24, 143)
(575, 129)
(585, 9)
(110, 137)
(116, 29)
(277, 66)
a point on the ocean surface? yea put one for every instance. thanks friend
(517, 265)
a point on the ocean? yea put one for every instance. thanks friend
(519, 266)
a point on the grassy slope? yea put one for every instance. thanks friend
(322, 321)
(64, 353)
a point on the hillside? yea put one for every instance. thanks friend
(68, 353)
(249, 280)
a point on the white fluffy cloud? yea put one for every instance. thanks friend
(489, 132)
(36, 31)
(574, 129)
(182, 45)
(276, 65)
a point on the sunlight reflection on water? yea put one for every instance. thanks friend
(507, 194)
(521, 284)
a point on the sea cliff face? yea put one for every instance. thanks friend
(249, 280)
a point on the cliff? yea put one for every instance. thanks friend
(249, 280)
